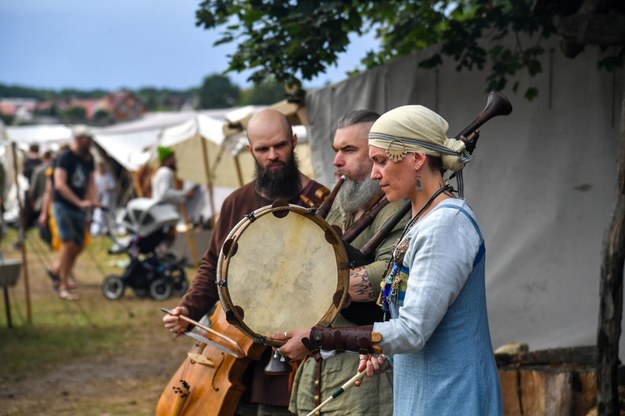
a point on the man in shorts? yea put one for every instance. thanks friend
(74, 195)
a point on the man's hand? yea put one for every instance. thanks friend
(43, 217)
(293, 349)
(86, 204)
(173, 323)
(360, 288)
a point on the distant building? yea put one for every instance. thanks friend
(19, 109)
(123, 105)
(114, 107)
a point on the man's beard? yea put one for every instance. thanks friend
(355, 195)
(84, 151)
(282, 183)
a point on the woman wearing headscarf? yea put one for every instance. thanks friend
(436, 336)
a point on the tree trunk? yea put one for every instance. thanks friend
(611, 295)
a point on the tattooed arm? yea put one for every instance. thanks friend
(360, 288)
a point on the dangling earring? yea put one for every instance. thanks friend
(419, 185)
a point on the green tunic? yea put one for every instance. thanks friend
(375, 395)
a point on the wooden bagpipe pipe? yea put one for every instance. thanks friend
(364, 313)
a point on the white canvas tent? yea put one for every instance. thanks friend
(201, 154)
(542, 181)
(197, 139)
(134, 143)
(47, 136)
(208, 148)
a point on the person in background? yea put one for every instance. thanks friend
(164, 180)
(437, 339)
(74, 195)
(28, 216)
(46, 223)
(38, 179)
(105, 186)
(2, 196)
(272, 144)
(31, 161)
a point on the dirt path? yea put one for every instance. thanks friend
(128, 383)
(127, 380)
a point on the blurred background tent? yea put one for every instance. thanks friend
(48, 137)
(210, 146)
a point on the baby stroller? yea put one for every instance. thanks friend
(151, 225)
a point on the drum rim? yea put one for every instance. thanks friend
(232, 315)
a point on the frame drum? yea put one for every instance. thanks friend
(282, 267)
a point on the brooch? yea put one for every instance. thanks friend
(396, 150)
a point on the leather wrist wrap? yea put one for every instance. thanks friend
(314, 350)
(346, 338)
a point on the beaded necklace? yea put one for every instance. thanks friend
(390, 292)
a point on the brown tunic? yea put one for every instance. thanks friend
(203, 294)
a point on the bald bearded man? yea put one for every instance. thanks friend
(272, 144)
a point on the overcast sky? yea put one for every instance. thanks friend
(111, 44)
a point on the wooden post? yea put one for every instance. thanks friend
(611, 295)
(7, 306)
(29, 317)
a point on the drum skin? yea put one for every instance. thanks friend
(282, 267)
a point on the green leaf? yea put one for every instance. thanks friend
(299, 39)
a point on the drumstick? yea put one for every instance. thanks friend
(339, 391)
(239, 354)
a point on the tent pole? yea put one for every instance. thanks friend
(209, 180)
(237, 164)
(135, 184)
(189, 231)
(29, 316)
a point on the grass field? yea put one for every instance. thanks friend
(88, 357)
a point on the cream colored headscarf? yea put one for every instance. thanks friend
(415, 128)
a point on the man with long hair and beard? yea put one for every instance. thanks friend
(319, 376)
(272, 144)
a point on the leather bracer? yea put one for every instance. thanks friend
(356, 339)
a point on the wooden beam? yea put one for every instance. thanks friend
(583, 356)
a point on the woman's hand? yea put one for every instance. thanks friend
(293, 349)
(373, 364)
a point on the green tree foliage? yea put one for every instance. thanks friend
(267, 92)
(7, 119)
(297, 39)
(20, 91)
(102, 118)
(165, 99)
(69, 93)
(217, 91)
(74, 114)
